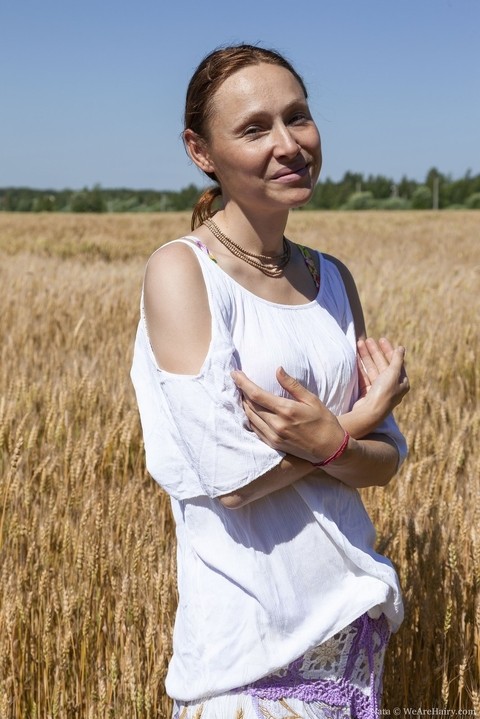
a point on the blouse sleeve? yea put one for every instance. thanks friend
(196, 434)
(390, 428)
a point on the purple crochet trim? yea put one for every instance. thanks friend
(339, 693)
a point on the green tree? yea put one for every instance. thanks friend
(394, 203)
(473, 201)
(88, 200)
(325, 196)
(360, 201)
(422, 198)
(379, 186)
(406, 187)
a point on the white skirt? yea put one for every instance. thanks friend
(338, 679)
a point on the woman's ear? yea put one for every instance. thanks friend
(198, 151)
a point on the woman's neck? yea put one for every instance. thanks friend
(254, 233)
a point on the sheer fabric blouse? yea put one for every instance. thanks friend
(260, 585)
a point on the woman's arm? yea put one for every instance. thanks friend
(383, 383)
(178, 319)
(289, 471)
(304, 427)
(176, 309)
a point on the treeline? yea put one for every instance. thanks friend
(437, 191)
(96, 199)
(353, 192)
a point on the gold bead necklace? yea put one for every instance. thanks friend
(264, 263)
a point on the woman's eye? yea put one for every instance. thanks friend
(299, 117)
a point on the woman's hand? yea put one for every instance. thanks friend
(383, 381)
(302, 426)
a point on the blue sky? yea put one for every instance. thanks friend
(93, 91)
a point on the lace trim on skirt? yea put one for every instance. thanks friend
(338, 679)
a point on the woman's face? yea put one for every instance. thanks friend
(263, 144)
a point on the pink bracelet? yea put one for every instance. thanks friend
(338, 453)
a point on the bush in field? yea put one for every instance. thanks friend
(88, 201)
(360, 201)
(473, 202)
(394, 203)
(422, 198)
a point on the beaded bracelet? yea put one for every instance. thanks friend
(338, 453)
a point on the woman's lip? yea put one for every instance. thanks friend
(291, 175)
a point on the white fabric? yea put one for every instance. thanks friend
(260, 585)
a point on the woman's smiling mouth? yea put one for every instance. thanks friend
(288, 174)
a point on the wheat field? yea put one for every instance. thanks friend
(87, 594)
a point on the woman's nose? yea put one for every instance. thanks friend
(285, 142)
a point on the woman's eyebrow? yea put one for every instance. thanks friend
(261, 113)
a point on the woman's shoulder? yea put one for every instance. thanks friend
(176, 308)
(173, 275)
(173, 256)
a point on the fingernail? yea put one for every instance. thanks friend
(281, 371)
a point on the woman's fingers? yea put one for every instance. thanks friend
(262, 428)
(267, 413)
(398, 357)
(364, 382)
(293, 387)
(368, 352)
(386, 347)
(272, 402)
(294, 424)
(256, 422)
(376, 354)
(254, 393)
(382, 368)
(404, 381)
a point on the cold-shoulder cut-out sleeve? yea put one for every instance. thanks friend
(196, 434)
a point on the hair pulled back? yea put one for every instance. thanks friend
(213, 70)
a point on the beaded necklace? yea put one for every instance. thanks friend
(307, 256)
(264, 263)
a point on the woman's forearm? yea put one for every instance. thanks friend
(360, 421)
(367, 462)
(290, 470)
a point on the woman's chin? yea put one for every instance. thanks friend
(302, 198)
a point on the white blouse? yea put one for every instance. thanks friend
(259, 585)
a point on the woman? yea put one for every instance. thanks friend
(245, 369)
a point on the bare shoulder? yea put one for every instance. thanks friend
(353, 296)
(173, 261)
(176, 309)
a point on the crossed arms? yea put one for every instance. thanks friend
(179, 323)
